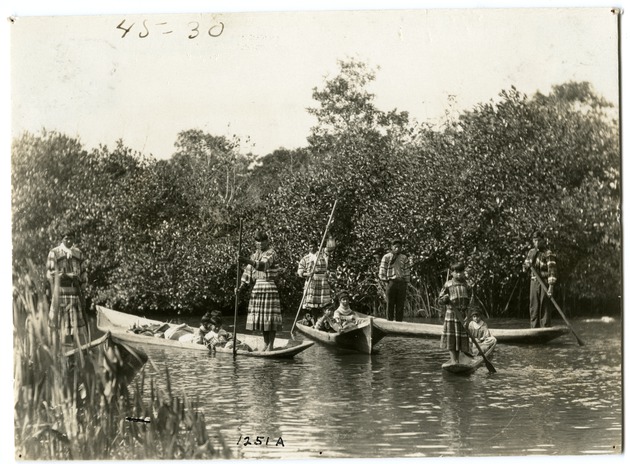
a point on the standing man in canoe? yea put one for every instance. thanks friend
(264, 313)
(541, 258)
(394, 271)
(66, 272)
(318, 292)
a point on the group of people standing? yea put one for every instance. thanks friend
(66, 271)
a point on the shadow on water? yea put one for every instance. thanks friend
(557, 398)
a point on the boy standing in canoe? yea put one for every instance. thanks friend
(456, 296)
(543, 260)
(394, 271)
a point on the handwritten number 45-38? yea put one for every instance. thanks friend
(194, 29)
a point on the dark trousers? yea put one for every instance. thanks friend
(539, 306)
(396, 294)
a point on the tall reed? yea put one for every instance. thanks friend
(81, 406)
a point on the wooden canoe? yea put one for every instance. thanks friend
(424, 330)
(361, 338)
(120, 323)
(127, 359)
(469, 364)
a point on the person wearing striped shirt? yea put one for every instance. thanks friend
(541, 258)
(394, 271)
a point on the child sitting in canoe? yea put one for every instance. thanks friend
(344, 316)
(325, 323)
(308, 320)
(456, 296)
(186, 334)
(220, 338)
(478, 328)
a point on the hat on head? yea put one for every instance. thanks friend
(68, 233)
(458, 266)
(343, 294)
(260, 236)
(206, 317)
(473, 312)
(396, 241)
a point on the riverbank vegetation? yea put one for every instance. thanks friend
(161, 235)
(81, 408)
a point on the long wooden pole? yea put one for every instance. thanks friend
(540, 281)
(308, 282)
(238, 281)
(511, 295)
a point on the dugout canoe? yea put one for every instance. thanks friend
(125, 359)
(469, 364)
(119, 324)
(361, 338)
(424, 330)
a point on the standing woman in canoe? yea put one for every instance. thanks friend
(264, 304)
(455, 295)
(318, 292)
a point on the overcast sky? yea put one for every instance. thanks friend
(80, 76)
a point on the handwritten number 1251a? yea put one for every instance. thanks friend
(195, 29)
(258, 441)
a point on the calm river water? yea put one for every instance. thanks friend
(552, 399)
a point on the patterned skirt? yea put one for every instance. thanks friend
(68, 314)
(318, 293)
(264, 307)
(454, 337)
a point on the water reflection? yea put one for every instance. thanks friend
(557, 398)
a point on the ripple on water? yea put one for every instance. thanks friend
(340, 405)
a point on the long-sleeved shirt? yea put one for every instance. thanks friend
(306, 264)
(265, 267)
(544, 261)
(394, 267)
(69, 262)
(455, 293)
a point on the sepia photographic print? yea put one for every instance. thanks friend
(316, 234)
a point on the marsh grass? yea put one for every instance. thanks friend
(418, 302)
(80, 406)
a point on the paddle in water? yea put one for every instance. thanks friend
(489, 365)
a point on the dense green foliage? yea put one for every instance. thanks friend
(162, 235)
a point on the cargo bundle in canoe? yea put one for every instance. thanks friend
(361, 337)
(424, 330)
(469, 364)
(120, 323)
